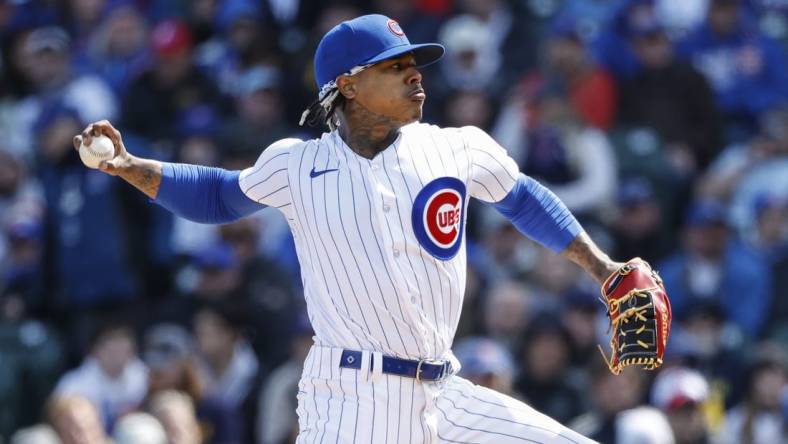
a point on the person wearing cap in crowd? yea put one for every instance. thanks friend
(680, 393)
(259, 119)
(670, 96)
(170, 354)
(371, 99)
(156, 98)
(488, 363)
(46, 62)
(713, 265)
(641, 225)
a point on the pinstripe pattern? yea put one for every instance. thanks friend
(368, 282)
(371, 284)
(399, 410)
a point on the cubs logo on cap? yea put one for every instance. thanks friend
(395, 28)
(438, 217)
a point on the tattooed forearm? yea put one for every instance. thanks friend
(144, 174)
(584, 252)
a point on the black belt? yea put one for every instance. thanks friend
(423, 370)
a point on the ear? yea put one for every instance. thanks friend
(347, 86)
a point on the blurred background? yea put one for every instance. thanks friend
(662, 124)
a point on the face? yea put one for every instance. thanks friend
(114, 352)
(546, 357)
(723, 16)
(708, 241)
(654, 51)
(391, 89)
(688, 423)
(213, 336)
(566, 55)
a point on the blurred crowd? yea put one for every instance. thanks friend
(662, 124)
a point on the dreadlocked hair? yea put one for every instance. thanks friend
(322, 110)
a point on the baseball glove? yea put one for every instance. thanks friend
(640, 316)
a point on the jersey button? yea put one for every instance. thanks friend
(413, 299)
(396, 253)
(386, 208)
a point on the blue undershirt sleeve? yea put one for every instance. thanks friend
(204, 194)
(538, 213)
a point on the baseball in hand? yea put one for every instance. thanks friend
(99, 150)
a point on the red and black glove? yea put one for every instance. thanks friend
(640, 316)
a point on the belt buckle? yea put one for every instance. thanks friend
(433, 362)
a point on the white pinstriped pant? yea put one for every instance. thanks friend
(340, 405)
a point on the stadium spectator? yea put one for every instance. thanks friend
(277, 422)
(102, 246)
(507, 309)
(591, 90)
(680, 393)
(260, 120)
(544, 379)
(723, 269)
(112, 378)
(610, 395)
(239, 43)
(486, 362)
(267, 290)
(118, 48)
(580, 311)
(170, 355)
(44, 58)
(173, 84)
(743, 67)
(548, 141)
(671, 97)
(227, 364)
(641, 227)
(758, 419)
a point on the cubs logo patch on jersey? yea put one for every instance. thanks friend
(438, 217)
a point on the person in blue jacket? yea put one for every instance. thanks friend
(712, 266)
(745, 68)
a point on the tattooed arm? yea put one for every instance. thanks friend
(198, 193)
(585, 253)
(144, 174)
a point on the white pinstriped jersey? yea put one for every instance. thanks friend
(381, 242)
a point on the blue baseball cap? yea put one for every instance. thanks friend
(363, 41)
